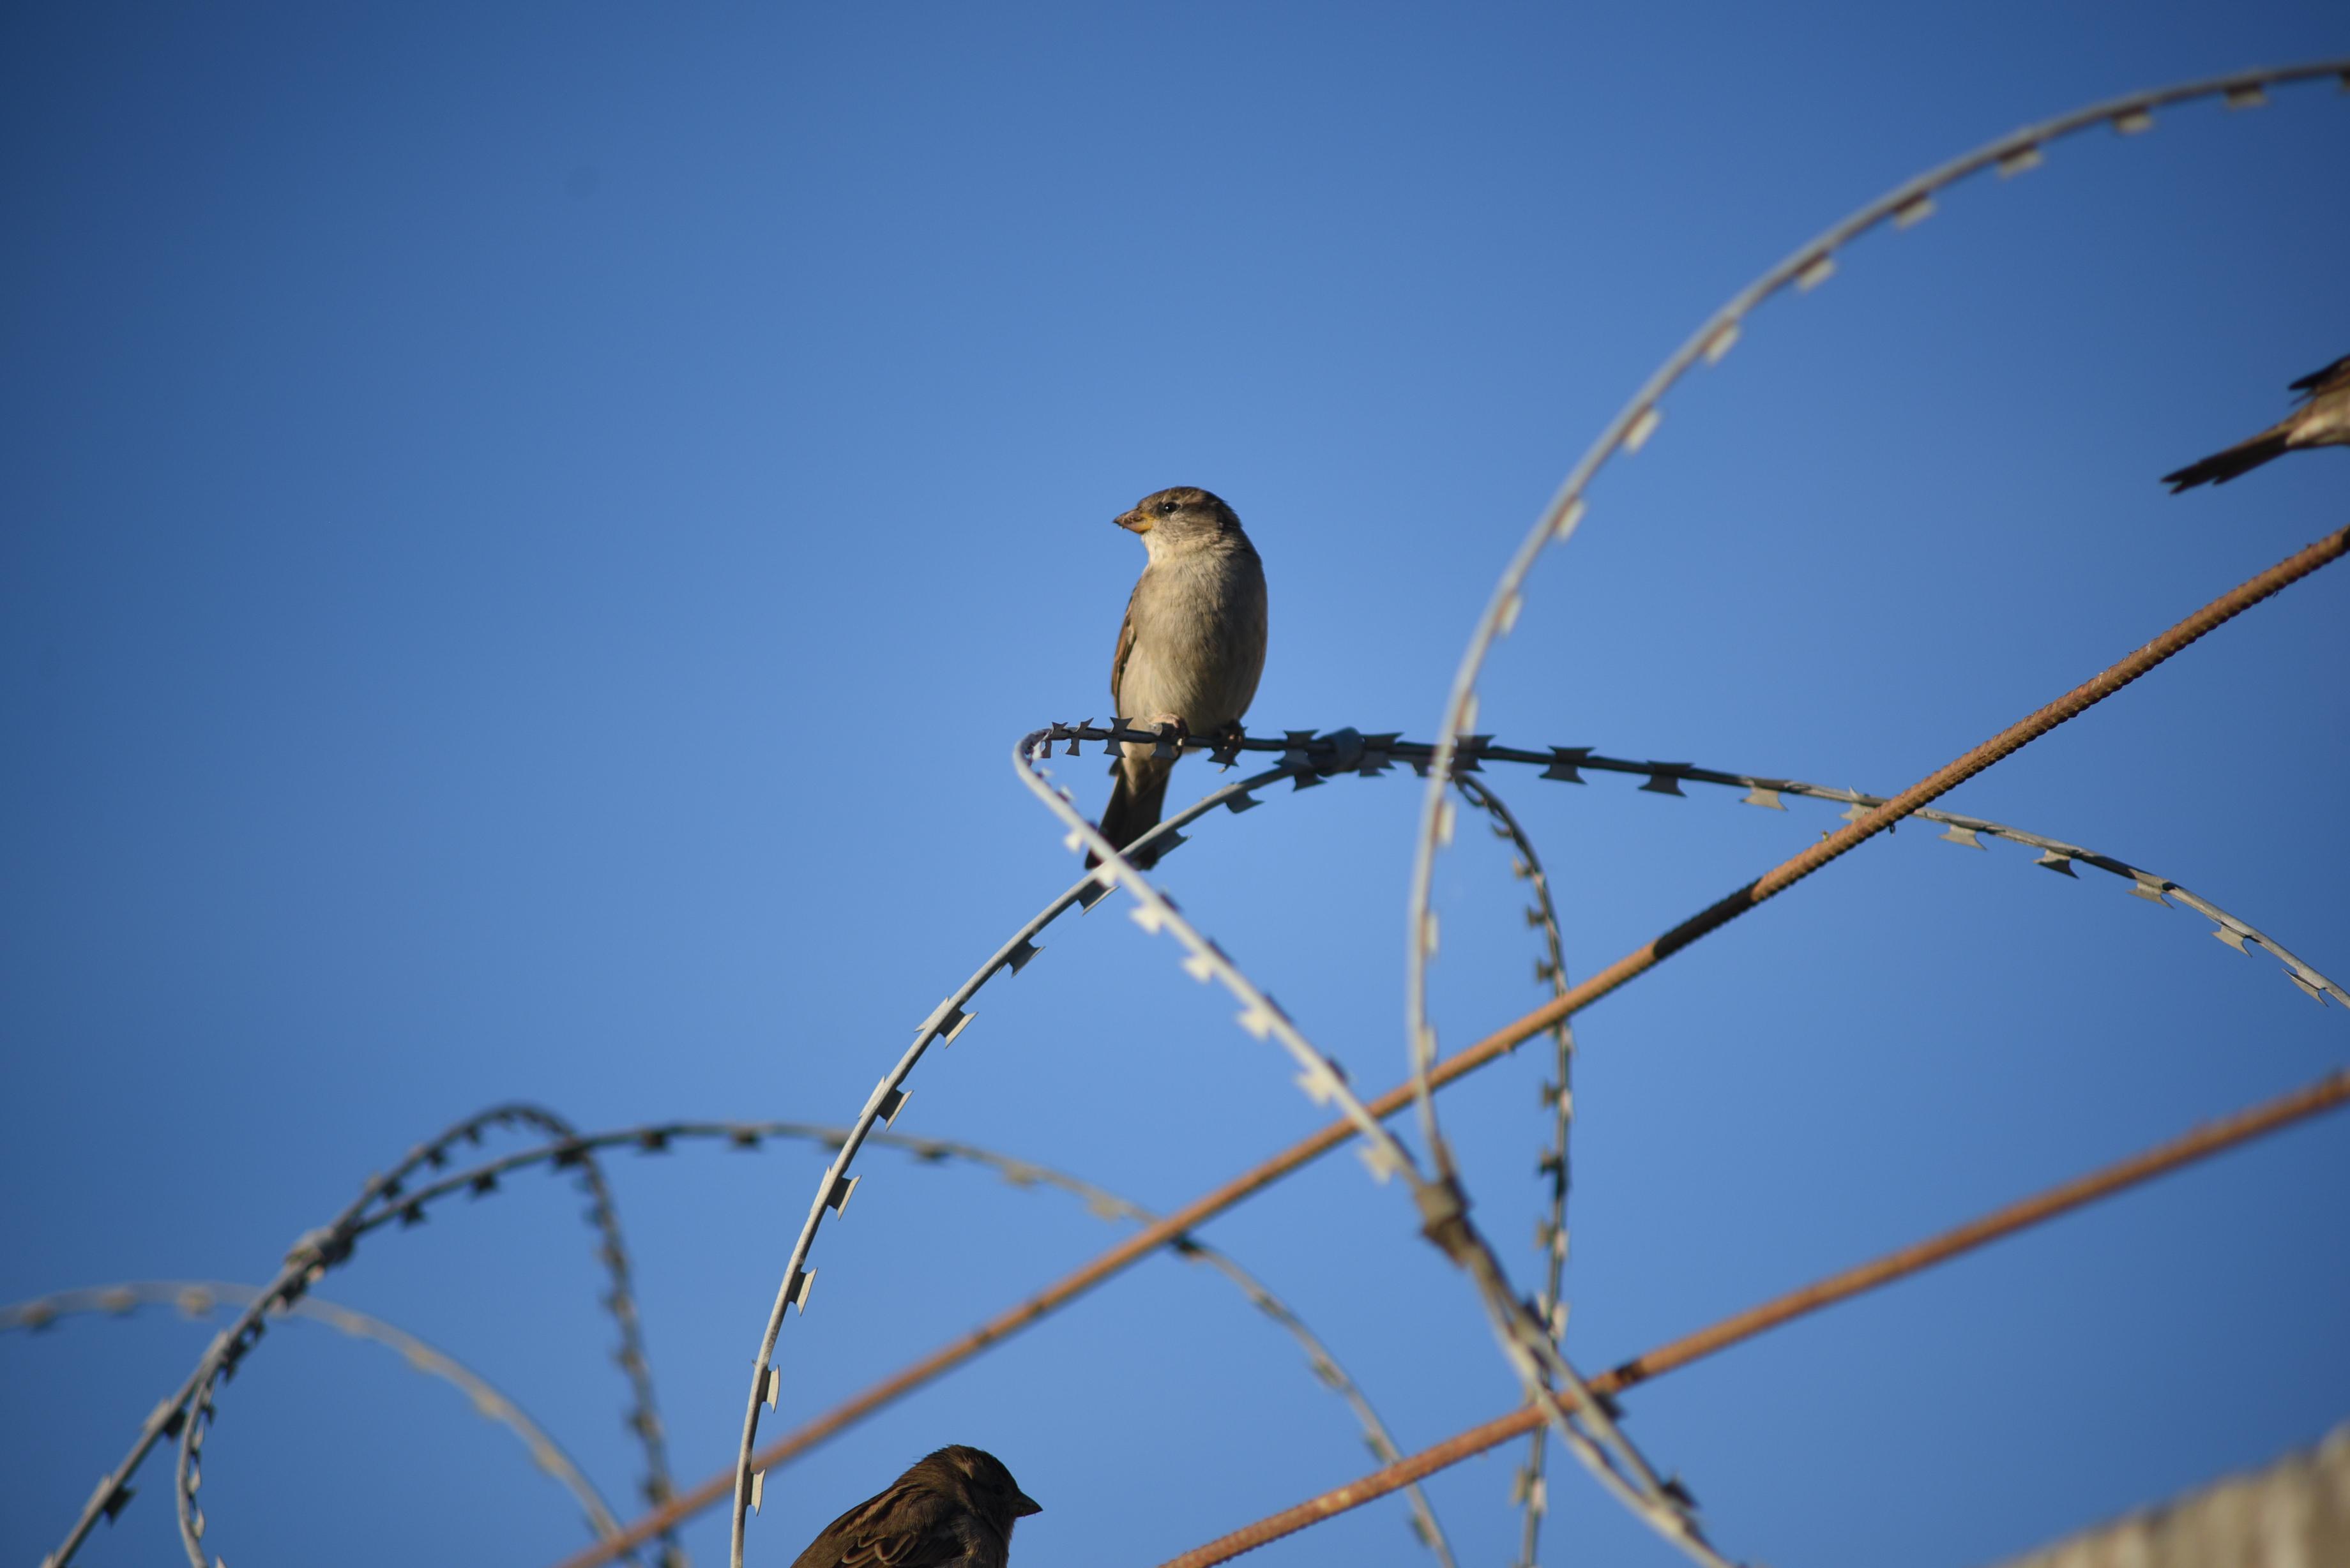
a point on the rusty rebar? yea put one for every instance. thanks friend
(1940, 782)
(2328, 1093)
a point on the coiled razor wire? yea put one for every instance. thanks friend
(1804, 269)
(184, 1413)
(316, 1253)
(1441, 1203)
(198, 1298)
(1529, 1485)
(657, 1137)
(1310, 758)
(881, 1107)
(1586, 1425)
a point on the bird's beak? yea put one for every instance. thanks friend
(1135, 522)
(1023, 1505)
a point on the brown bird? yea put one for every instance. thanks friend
(2323, 420)
(1191, 647)
(953, 1508)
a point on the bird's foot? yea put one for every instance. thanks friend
(1225, 748)
(1172, 732)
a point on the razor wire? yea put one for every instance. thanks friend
(656, 1137)
(198, 1298)
(1311, 758)
(1870, 821)
(1345, 750)
(1529, 1485)
(311, 1256)
(2328, 1093)
(1586, 1424)
(1804, 269)
(1441, 1200)
(1441, 1203)
(575, 1149)
(947, 1021)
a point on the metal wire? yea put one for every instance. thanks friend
(197, 1298)
(1586, 1426)
(1881, 817)
(2326, 1094)
(1530, 1485)
(1636, 422)
(1443, 1201)
(309, 1259)
(574, 1150)
(1347, 751)
(947, 1021)
(654, 1137)
(1529, 1339)
(316, 1253)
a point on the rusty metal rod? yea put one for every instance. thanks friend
(1145, 1241)
(2328, 1093)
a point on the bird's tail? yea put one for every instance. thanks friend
(1138, 792)
(2240, 458)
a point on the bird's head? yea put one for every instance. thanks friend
(1174, 519)
(980, 1479)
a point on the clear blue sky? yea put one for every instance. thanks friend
(527, 534)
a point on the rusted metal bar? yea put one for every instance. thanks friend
(1940, 782)
(2328, 1093)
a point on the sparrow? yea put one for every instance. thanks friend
(953, 1508)
(1191, 647)
(2323, 420)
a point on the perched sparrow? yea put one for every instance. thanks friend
(1192, 644)
(952, 1509)
(2323, 420)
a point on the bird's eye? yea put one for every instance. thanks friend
(1167, 509)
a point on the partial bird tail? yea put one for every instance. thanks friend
(2240, 458)
(1138, 792)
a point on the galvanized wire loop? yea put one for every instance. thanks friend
(1634, 424)
(1530, 1485)
(945, 1021)
(198, 1298)
(311, 1256)
(1586, 1424)
(1560, 764)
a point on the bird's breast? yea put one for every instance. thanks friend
(1199, 639)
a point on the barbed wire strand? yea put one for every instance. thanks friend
(643, 1418)
(2056, 853)
(316, 1251)
(1877, 819)
(1585, 1424)
(1524, 1340)
(1370, 756)
(1835, 844)
(1530, 1485)
(656, 1137)
(2011, 155)
(2329, 1093)
(573, 1149)
(1349, 752)
(1803, 269)
(221, 1360)
(947, 1021)
(197, 1299)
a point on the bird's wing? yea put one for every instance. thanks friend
(905, 1527)
(2333, 375)
(1124, 647)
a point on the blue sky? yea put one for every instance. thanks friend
(530, 534)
